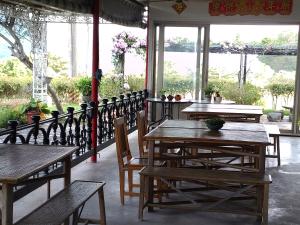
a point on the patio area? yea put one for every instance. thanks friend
(284, 192)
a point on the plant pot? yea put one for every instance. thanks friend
(177, 97)
(163, 97)
(30, 114)
(170, 97)
(217, 99)
(86, 98)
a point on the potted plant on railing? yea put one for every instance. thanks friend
(35, 107)
(84, 86)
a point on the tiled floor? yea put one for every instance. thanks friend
(284, 194)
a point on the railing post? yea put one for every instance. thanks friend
(13, 124)
(89, 133)
(54, 126)
(122, 106)
(36, 121)
(70, 135)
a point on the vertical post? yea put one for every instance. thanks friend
(205, 59)
(198, 64)
(94, 79)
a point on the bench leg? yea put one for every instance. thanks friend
(259, 202)
(102, 207)
(75, 217)
(278, 149)
(265, 204)
(142, 197)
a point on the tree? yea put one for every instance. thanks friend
(15, 32)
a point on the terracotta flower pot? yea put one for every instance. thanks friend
(177, 97)
(30, 114)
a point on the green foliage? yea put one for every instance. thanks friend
(246, 95)
(58, 64)
(136, 82)
(66, 91)
(179, 44)
(35, 105)
(10, 113)
(280, 86)
(279, 62)
(13, 67)
(15, 86)
(174, 82)
(209, 90)
(110, 86)
(84, 85)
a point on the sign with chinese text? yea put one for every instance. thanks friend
(250, 7)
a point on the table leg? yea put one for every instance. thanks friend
(67, 177)
(151, 180)
(262, 158)
(67, 171)
(7, 204)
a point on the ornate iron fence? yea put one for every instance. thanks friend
(75, 127)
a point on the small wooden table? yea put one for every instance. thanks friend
(20, 162)
(237, 112)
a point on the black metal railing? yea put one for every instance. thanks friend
(74, 128)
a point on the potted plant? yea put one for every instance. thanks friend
(215, 123)
(35, 107)
(84, 86)
(208, 91)
(217, 98)
(163, 94)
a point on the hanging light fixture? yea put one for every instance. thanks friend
(179, 6)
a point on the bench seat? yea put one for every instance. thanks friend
(245, 182)
(66, 203)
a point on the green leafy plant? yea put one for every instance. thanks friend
(84, 85)
(209, 90)
(214, 123)
(35, 105)
(10, 113)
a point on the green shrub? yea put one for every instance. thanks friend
(247, 94)
(15, 86)
(84, 85)
(66, 91)
(136, 82)
(110, 86)
(9, 113)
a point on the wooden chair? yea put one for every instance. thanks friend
(142, 125)
(125, 160)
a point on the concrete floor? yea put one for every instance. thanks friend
(284, 194)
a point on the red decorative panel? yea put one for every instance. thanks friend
(250, 7)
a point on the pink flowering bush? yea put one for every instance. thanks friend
(126, 43)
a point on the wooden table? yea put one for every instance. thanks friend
(167, 107)
(238, 139)
(252, 135)
(229, 112)
(19, 162)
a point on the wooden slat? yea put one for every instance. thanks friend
(226, 106)
(208, 175)
(63, 204)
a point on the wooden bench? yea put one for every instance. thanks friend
(69, 201)
(274, 132)
(224, 180)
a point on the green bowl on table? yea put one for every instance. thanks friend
(214, 124)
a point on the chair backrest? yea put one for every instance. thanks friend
(142, 131)
(121, 138)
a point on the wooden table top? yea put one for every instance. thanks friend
(193, 124)
(18, 162)
(226, 106)
(232, 136)
(223, 111)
